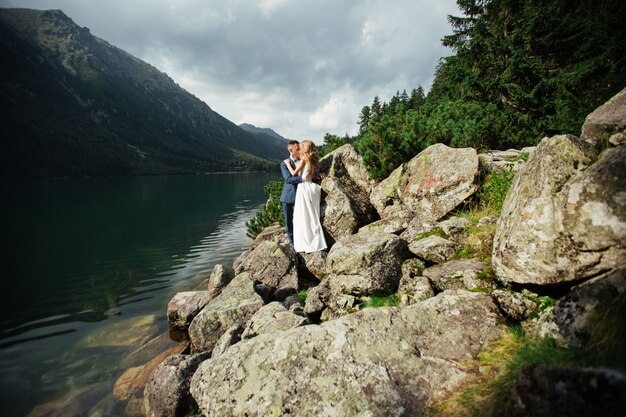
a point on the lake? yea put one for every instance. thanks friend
(90, 265)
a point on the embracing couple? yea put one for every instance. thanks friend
(301, 197)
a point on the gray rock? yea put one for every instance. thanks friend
(514, 304)
(413, 286)
(272, 318)
(293, 302)
(574, 312)
(498, 161)
(563, 219)
(231, 336)
(235, 305)
(608, 120)
(317, 298)
(391, 225)
(345, 162)
(434, 249)
(167, 392)
(238, 263)
(547, 390)
(376, 362)
(274, 233)
(417, 227)
(487, 220)
(274, 265)
(528, 149)
(430, 185)
(313, 265)
(345, 208)
(451, 274)
(184, 306)
(455, 226)
(367, 263)
(219, 278)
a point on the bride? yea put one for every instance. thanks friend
(308, 235)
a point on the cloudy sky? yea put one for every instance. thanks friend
(300, 67)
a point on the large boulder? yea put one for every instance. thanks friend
(219, 278)
(274, 265)
(564, 218)
(430, 185)
(434, 249)
(377, 362)
(607, 124)
(578, 313)
(345, 204)
(167, 392)
(235, 305)
(548, 390)
(368, 263)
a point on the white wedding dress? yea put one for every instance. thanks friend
(308, 235)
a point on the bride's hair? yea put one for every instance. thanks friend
(308, 152)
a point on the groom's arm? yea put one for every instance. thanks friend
(289, 179)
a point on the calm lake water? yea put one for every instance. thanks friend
(90, 265)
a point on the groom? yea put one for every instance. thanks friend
(288, 196)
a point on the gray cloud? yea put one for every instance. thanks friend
(300, 67)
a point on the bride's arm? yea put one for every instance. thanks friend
(298, 168)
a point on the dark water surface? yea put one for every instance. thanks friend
(89, 267)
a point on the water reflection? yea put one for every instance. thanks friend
(81, 277)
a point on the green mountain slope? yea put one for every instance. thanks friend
(74, 105)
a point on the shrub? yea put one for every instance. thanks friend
(271, 212)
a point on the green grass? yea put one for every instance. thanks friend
(436, 232)
(380, 301)
(495, 188)
(487, 392)
(303, 294)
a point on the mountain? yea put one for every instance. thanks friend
(74, 105)
(265, 130)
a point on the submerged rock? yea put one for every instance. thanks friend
(131, 332)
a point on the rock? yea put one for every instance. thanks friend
(134, 379)
(547, 390)
(434, 249)
(74, 402)
(235, 305)
(345, 162)
(274, 233)
(231, 336)
(487, 220)
(148, 351)
(345, 208)
(608, 120)
(345, 193)
(366, 264)
(220, 277)
(498, 161)
(184, 306)
(317, 298)
(238, 263)
(392, 225)
(430, 185)
(131, 332)
(529, 150)
(450, 275)
(376, 362)
(167, 392)
(413, 286)
(272, 318)
(455, 226)
(514, 304)
(416, 228)
(574, 312)
(274, 265)
(563, 220)
(313, 265)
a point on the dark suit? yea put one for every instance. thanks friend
(288, 196)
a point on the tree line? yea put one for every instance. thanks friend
(520, 70)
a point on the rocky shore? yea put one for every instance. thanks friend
(286, 334)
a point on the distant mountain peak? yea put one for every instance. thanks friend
(75, 105)
(254, 129)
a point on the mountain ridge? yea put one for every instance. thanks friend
(268, 131)
(74, 105)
